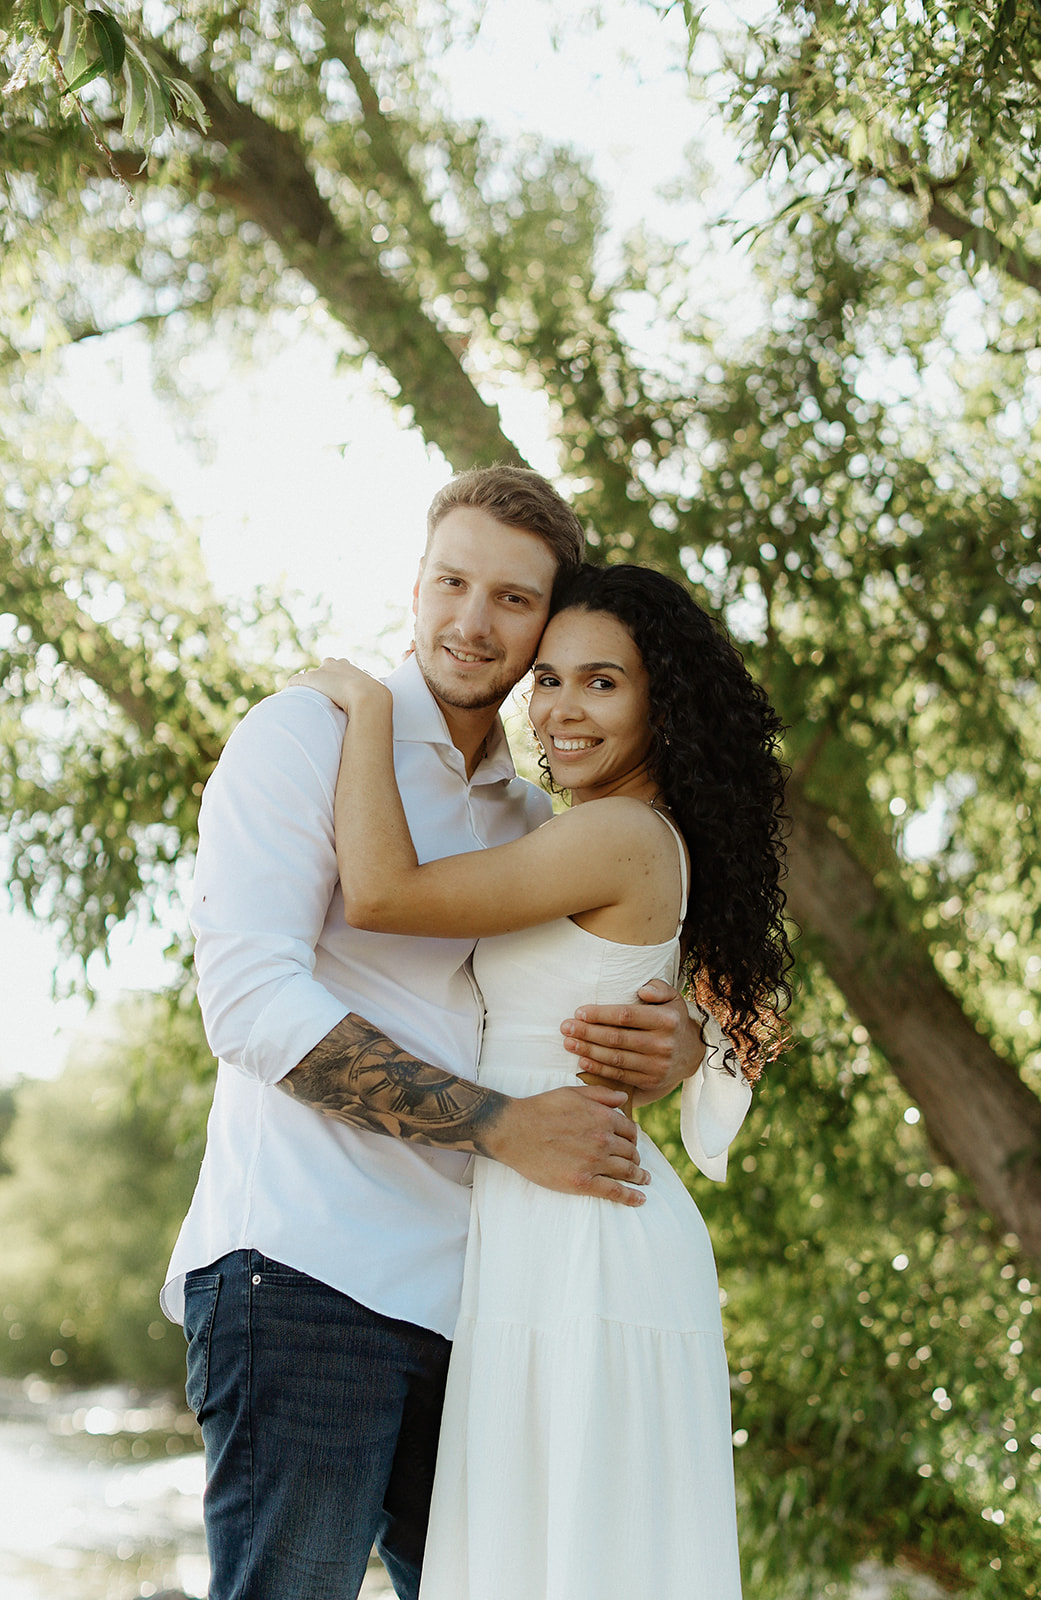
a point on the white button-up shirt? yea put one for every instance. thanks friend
(383, 1220)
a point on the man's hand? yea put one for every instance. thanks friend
(578, 1141)
(575, 1140)
(651, 1046)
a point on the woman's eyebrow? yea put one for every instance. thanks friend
(584, 666)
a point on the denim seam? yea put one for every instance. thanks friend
(252, 1412)
(247, 1564)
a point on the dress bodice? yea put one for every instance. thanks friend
(531, 980)
(534, 978)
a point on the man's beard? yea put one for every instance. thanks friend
(458, 695)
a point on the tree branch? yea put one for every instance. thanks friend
(955, 226)
(265, 176)
(92, 651)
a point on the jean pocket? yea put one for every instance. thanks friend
(200, 1303)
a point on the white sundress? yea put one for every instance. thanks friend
(585, 1449)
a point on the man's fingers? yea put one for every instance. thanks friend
(607, 1097)
(620, 1193)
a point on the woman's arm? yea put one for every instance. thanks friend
(576, 862)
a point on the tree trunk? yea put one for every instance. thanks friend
(981, 1117)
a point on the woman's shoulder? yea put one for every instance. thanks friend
(616, 819)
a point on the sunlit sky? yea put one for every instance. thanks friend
(310, 481)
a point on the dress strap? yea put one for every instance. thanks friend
(684, 886)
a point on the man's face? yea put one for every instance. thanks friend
(481, 602)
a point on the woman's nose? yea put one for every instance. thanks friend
(566, 707)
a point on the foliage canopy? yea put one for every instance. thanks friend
(852, 482)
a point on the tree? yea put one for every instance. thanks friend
(101, 1164)
(876, 555)
(440, 261)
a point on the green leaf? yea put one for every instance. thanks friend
(110, 41)
(49, 15)
(155, 111)
(68, 22)
(186, 99)
(89, 73)
(858, 143)
(134, 109)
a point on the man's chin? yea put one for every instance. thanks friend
(463, 696)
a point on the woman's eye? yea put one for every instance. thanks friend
(546, 682)
(603, 683)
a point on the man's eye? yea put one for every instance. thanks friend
(516, 599)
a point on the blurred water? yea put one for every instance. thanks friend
(101, 1497)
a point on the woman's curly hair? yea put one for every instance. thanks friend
(714, 752)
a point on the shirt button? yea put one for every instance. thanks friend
(256, 1277)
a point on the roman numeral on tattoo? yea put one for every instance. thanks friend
(358, 1076)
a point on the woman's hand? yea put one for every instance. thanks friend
(345, 684)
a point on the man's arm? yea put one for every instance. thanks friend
(573, 1140)
(651, 1046)
(264, 876)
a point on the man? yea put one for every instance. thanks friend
(318, 1270)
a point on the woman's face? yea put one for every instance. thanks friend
(590, 706)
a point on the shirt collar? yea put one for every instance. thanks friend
(418, 719)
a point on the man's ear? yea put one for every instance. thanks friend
(415, 588)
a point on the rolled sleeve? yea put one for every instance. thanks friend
(265, 875)
(713, 1103)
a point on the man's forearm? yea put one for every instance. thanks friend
(358, 1076)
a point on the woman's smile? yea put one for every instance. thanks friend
(570, 745)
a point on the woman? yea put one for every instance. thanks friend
(585, 1448)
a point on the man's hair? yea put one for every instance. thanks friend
(518, 498)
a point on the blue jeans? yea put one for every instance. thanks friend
(320, 1420)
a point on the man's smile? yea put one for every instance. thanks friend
(467, 656)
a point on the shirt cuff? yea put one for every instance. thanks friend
(289, 1027)
(713, 1104)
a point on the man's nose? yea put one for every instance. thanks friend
(474, 617)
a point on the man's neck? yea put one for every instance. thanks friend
(469, 731)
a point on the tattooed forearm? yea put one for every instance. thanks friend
(359, 1076)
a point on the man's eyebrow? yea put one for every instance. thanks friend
(584, 666)
(533, 589)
